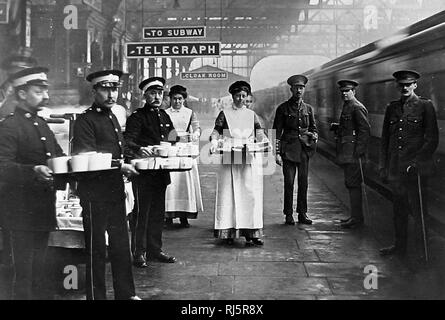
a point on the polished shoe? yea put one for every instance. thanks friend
(303, 218)
(168, 222)
(134, 298)
(139, 261)
(162, 257)
(289, 220)
(345, 220)
(392, 250)
(352, 223)
(185, 223)
(258, 242)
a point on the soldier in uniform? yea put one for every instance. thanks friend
(409, 138)
(352, 134)
(28, 196)
(146, 127)
(296, 134)
(102, 194)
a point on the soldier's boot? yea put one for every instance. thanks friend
(289, 220)
(304, 219)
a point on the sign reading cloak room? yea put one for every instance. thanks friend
(174, 32)
(204, 75)
(168, 50)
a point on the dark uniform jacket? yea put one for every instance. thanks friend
(290, 121)
(148, 126)
(97, 129)
(353, 132)
(410, 135)
(26, 141)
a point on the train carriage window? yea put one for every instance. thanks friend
(436, 93)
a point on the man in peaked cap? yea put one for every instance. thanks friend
(146, 127)
(12, 65)
(295, 119)
(352, 135)
(28, 196)
(410, 136)
(102, 194)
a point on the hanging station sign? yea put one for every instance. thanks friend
(171, 50)
(204, 75)
(174, 33)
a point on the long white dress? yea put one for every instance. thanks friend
(239, 196)
(183, 196)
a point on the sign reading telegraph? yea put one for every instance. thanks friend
(169, 49)
(204, 75)
(174, 32)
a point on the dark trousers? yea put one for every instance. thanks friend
(289, 172)
(29, 256)
(150, 203)
(406, 201)
(353, 180)
(99, 217)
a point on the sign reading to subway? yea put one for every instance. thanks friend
(174, 32)
(204, 75)
(167, 49)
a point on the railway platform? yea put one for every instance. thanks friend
(321, 261)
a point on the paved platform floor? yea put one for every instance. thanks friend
(320, 261)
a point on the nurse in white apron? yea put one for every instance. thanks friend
(239, 195)
(183, 197)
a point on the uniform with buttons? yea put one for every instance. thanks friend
(352, 136)
(102, 195)
(410, 136)
(292, 118)
(97, 129)
(26, 141)
(148, 126)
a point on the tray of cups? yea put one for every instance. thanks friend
(81, 164)
(166, 150)
(172, 164)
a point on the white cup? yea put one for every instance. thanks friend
(59, 165)
(142, 164)
(162, 151)
(106, 160)
(76, 211)
(95, 162)
(186, 163)
(151, 163)
(80, 162)
(172, 152)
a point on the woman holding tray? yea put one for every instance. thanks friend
(239, 198)
(183, 197)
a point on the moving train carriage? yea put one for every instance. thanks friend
(420, 47)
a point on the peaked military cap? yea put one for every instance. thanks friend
(347, 84)
(178, 89)
(152, 83)
(106, 78)
(238, 86)
(406, 76)
(297, 80)
(30, 76)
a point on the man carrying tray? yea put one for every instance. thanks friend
(28, 196)
(146, 127)
(102, 194)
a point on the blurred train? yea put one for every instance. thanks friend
(420, 47)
